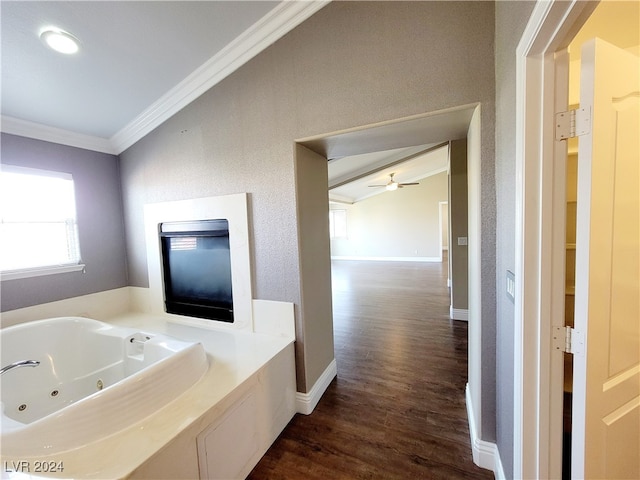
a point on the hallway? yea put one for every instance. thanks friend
(397, 408)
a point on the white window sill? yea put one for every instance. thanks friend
(41, 271)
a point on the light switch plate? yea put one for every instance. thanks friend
(511, 286)
(462, 240)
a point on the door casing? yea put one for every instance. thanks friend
(551, 27)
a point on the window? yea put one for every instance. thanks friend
(38, 228)
(338, 223)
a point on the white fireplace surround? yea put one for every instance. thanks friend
(230, 207)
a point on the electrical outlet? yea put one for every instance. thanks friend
(462, 240)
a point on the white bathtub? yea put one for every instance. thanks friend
(93, 380)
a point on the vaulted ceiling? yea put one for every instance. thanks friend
(353, 178)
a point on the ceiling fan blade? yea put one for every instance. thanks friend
(414, 183)
(377, 185)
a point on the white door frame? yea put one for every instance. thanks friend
(440, 229)
(551, 26)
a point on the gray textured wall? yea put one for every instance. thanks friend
(351, 64)
(100, 222)
(511, 18)
(458, 208)
(315, 266)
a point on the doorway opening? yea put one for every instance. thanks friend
(443, 210)
(390, 200)
(455, 123)
(618, 25)
(545, 248)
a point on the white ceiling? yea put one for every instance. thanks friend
(412, 148)
(139, 62)
(350, 178)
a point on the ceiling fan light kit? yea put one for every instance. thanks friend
(393, 185)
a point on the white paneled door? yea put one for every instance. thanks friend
(606, 408)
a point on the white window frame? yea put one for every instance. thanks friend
(333, 220)
(38, 271)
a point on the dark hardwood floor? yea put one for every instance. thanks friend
(397, 407)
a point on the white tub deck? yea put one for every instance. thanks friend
(93, 379)
(250, 374)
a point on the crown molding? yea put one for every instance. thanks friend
(282, 19)
(340, 199)
(23, 128)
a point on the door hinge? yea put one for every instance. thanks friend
(573, 123)
(568, 340)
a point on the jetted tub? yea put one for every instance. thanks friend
(93, 380)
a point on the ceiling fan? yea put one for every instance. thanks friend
(393, 185)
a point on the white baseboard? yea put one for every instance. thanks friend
(306, 402)
(485, 454)
(388, 259)
(459, 314)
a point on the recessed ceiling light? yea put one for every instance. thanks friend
(60, 41)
